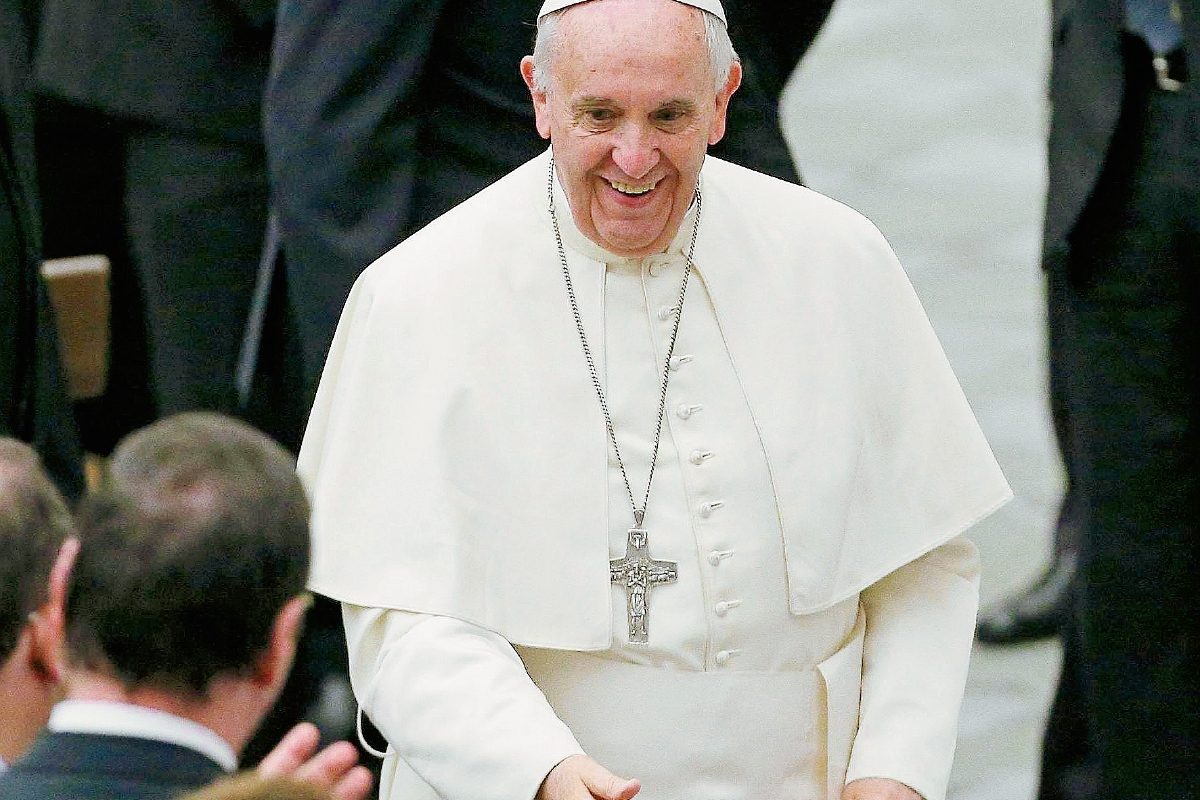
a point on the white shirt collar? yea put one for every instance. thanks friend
(124, 719)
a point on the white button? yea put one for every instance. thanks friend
(721, 609)
(658, 265)
(678, 361)
(706, 509)
(722, 658)
(665, 312)
(700, 456)
(684, 410)
(717, 556)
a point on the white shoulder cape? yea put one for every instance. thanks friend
(456, 455)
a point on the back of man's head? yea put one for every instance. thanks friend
(189, 552)
(34, 523)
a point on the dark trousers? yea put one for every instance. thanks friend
(82, 188)
(181, 219)
(1126, 722)
(1068, 528)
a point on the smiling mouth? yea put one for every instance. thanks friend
(631, 190)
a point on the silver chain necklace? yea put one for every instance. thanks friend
(637, 572)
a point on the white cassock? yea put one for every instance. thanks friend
(818, 467)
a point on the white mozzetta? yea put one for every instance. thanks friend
(457, 458)
(817, 468)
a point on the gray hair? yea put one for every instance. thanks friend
(549, 42)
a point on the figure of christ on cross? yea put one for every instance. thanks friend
(637, 572)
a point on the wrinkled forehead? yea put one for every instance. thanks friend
(711, 6)
(603, 51)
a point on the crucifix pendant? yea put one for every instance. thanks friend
(637, 572)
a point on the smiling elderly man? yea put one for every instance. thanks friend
(644, 462)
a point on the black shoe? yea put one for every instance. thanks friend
(1036, 613)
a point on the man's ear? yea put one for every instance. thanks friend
(541, 99)
(48, 624)
(717, 130)
(275, 663)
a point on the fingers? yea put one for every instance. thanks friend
(333, 769)
(355, 785)
(329, 766)
(579, 777)
(296, 747)
(604, 785)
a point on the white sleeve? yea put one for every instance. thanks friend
(920, 627)
(455, 702)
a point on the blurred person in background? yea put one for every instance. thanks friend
(150, 149)
(1122, 256)
(33, 401)
(34, 526)
(254, 786)
(172, 621)
(150, 152)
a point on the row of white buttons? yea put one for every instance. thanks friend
(698, 457)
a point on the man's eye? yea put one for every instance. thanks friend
(670, 117)
(600, 114)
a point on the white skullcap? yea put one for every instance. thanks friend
(711, 6)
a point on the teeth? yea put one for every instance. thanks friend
(628, 188)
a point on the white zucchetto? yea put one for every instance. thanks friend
(711, 6)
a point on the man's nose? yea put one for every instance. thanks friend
(636, 151)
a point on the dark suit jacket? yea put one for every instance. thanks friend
(380, 115)
(155, 61)
(771, 38)
(33, 404)
(71, 766)
(1087, 84)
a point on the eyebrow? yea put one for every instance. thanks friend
(685, 106)
(589, 102)
(592, 101)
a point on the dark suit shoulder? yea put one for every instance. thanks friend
(187, 65)
(68, 766)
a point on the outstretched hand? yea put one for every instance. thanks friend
(333, 769)
(580, 778)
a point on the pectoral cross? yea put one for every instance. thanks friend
(637, 572)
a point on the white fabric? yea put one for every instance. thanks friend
(820, 627)
(125, 719)
(455, 704)
(456, 454)
(711, 6)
